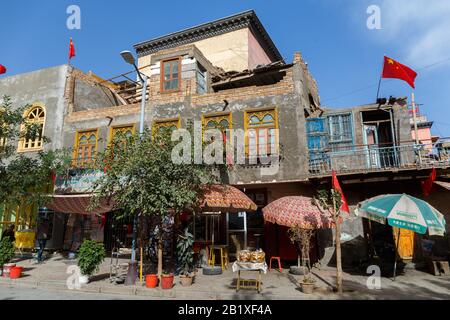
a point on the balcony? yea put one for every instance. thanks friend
(375, 159)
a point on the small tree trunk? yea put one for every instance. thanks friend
(160, 257)
(338, 258)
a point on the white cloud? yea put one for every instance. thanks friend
(421, 29)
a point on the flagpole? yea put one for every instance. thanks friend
(68, 62)
(378, 90)
(379, 81)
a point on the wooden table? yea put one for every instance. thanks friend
(253, 283)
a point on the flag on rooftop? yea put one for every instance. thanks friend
(71, 49)
(394, 69)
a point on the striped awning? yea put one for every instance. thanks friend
(78, 203)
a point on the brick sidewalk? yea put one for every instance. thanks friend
(413, 285)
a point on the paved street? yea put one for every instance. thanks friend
(11, 293)
(48, 281)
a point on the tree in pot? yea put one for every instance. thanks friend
(330, 202)
(6, 252)
(143, 178)
(90, 255)
(302, 237)
(185, 257)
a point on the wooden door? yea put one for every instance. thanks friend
(405, 243)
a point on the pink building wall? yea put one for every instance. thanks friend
(256, 54)
(424, 135)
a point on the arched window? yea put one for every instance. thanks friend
(170, 124)
(261, 132)
(221, 122)
(86, 147)
(34, 138)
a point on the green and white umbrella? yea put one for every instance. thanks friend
(403, 211)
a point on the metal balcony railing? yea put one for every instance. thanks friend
(372, 159)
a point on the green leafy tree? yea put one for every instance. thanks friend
(6, 251)
(90, 255)
(25, 178)
(141, 178)
(329, 202)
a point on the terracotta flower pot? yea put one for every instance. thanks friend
(186, 280)
(151, 280)
(307, 287)
(167, 281)
(15, 272)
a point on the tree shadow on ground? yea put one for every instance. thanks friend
(99, 277)
(409, 291)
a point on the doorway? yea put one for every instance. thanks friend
(379, 139)
(405, 244)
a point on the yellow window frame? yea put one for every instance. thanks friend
(217, 117)
(21, 146)
(119, 128)
(76, 145)
(260, 114)
(159, 123)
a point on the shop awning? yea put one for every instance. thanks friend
(226, 198)
(78, 203)
(443, 184)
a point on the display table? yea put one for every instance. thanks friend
(254, 283)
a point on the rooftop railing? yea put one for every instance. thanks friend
(372, 159)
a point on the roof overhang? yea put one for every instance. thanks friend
(246, 19)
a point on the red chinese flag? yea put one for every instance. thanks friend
(337, 187)
(427, 185)
(2, 69)
(394, 69)
(71, 49)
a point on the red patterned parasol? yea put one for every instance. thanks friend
(296, 211)
(225, 198)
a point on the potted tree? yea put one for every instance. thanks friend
(185, 256)
(167, 280)
(302, 237)
(6, 252)
(90, 255)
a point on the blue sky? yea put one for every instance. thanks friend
(342, 53)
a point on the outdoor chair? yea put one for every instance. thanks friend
(224, 261)
(279, 263)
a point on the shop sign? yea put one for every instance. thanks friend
(77, 181)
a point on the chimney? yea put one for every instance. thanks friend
(297, 57)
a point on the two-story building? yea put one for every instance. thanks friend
(228, 74)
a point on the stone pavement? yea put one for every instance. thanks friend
(52, 275)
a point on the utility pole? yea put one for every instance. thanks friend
(131, 276)
(416, 134)
(413, 104)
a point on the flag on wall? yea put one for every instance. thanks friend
(337, 187)
(2, 69)
(427, 185)
(394, 69)
(71, 49)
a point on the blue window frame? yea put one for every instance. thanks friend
(340, 128)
